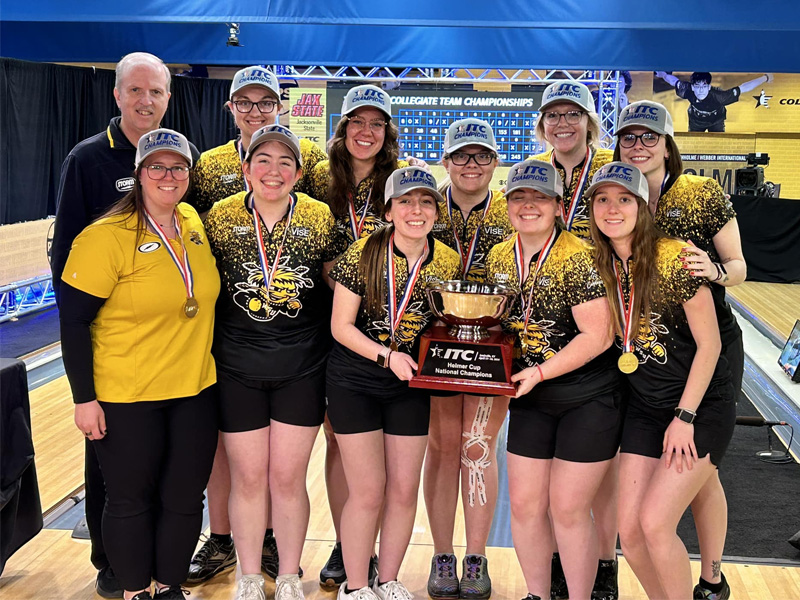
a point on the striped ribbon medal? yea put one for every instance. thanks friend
(241, 156)
(568, 213)
(190, 307)
(466, 260)
(519, 260)
(267, 272)
(628, 362)
(356, 223)
(396, 311)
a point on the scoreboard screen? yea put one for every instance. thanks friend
(423, 116)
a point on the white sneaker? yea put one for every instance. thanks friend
(288, 587)
(251, 587)
(364, 593)
(392, 590)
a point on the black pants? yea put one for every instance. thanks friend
(156, 459)
(94, 503)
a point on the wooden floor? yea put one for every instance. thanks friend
(53, 565)
(777, 305)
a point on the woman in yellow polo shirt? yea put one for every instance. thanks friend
(137, 315)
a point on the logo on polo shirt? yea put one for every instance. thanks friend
(149, 247)
(125, 184)
(242, 229)
(228, 178)
(302, 232)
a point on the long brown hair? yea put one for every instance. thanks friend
(342, 181)
(644, 247)
(130, 208)
(370, 270)
(674, 161)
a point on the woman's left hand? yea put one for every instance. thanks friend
(527, 378)
(416, 162)
(698, 262)
(679, 440)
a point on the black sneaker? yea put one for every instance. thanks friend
(475, 582)
(212, 558)
(372, 573)
(270, 561)
(173, 592)
(443, 580)
(605, 583)
(107, 584)
(145, 595)
(701, 593)
(332, 574)
(558, 583)
(531, 597)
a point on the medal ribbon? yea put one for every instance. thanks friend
(269, 273)
(568, 214)
(241, 156)
(625, 312)
(466, 261)
(183, 265)
(357, 224)
(396, 311)
(519, 259)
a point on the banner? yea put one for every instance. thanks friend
(307, 114)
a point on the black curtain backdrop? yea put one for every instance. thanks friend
(770, 229)
(46, 109)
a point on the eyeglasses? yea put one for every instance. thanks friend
(481, 158)
(649, 139)
(359, 124)
(160, 172)
(572, 117)
(264, 106)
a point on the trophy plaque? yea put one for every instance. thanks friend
(464, 356)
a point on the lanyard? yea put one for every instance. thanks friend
(182, 264)
(519, 260)
(466, 260)
(269, 273)
(241, 156)
(625, 311)
(357, 224)
(568, 214)
(396, 311)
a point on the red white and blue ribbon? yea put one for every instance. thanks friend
(241, 156)
(625, 311)
(356, 223)
(568, 213)
(466, 259)
(184, 268)
(519, 260)
(396, 311)
(269, 273)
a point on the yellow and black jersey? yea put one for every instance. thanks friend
(352, 370)
(494, 228)
(580, 223)
(282, 332)
(566, 279)
(144, 346)
(695, 208)
(218, 173)
(320, 179)
(664, 344)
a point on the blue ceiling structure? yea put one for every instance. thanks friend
(711, 35)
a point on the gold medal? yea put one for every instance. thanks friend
(393, 346)
(191, 307)
(628, 363)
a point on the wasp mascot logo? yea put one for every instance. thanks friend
(283, 296)
(411, 325)
(537, 337)
(646, 341)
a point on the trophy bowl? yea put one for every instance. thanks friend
(469, 307)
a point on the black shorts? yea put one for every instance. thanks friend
(643, 432)
(407, 413)
(586, 432)
(250, 404)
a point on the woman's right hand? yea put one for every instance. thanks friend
(91, 420)
(402, 365)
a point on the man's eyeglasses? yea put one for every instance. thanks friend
(264, 106)
(481, 158)
(359, 124)
(649, 139)
(572, 117)
(160, 172)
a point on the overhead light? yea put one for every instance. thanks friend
(233, 35)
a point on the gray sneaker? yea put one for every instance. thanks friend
(443, 580)
(251, 587)
(475, 582)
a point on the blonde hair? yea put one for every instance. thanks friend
(592, 129)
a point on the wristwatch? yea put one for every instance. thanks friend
(685, 415)
(383, 358)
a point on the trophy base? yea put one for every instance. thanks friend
(480, 368)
